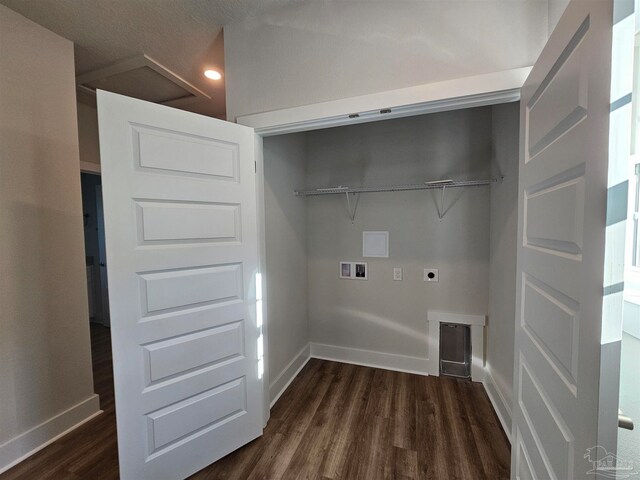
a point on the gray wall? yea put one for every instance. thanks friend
(474, 246)
(45, 359)
(381, 314)
(555, 10)
(88, 133)
(503, 248)
(310, 52)
(286, 250)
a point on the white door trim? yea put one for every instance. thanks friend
(262, 303)
(466, 92)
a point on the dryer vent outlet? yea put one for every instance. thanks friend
(431, 275)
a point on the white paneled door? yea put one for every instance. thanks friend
(562, 213)
(180, 221)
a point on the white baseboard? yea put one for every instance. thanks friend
(26, 444)
(368, 358)
(500, 405)
(284, 379)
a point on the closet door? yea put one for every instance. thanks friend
(181, 241)
(562, 218)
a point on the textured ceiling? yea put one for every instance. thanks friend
(183, 35)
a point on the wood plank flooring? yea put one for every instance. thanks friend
(335, 421)
(341, 421)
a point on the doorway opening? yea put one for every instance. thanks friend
(97, 291)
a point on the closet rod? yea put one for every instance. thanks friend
(439, 184)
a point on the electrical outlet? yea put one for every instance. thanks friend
(397, 274)
(431, 275)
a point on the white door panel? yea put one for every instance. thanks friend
(562, 213)
(180, 219)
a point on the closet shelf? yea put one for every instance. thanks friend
(438, 185)
(442, 185)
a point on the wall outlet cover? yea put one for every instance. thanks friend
(431, 275)
(397, 274)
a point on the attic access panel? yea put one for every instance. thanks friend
(144, 78)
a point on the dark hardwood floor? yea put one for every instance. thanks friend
(341, 421)
(335, 421)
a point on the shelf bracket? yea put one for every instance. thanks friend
(352, 208)
(441, 211)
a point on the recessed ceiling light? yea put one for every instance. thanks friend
(213, 74)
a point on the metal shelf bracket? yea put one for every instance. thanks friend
(352, 209)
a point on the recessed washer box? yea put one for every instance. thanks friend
(353, 270)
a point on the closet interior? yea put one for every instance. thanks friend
(445, 187)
